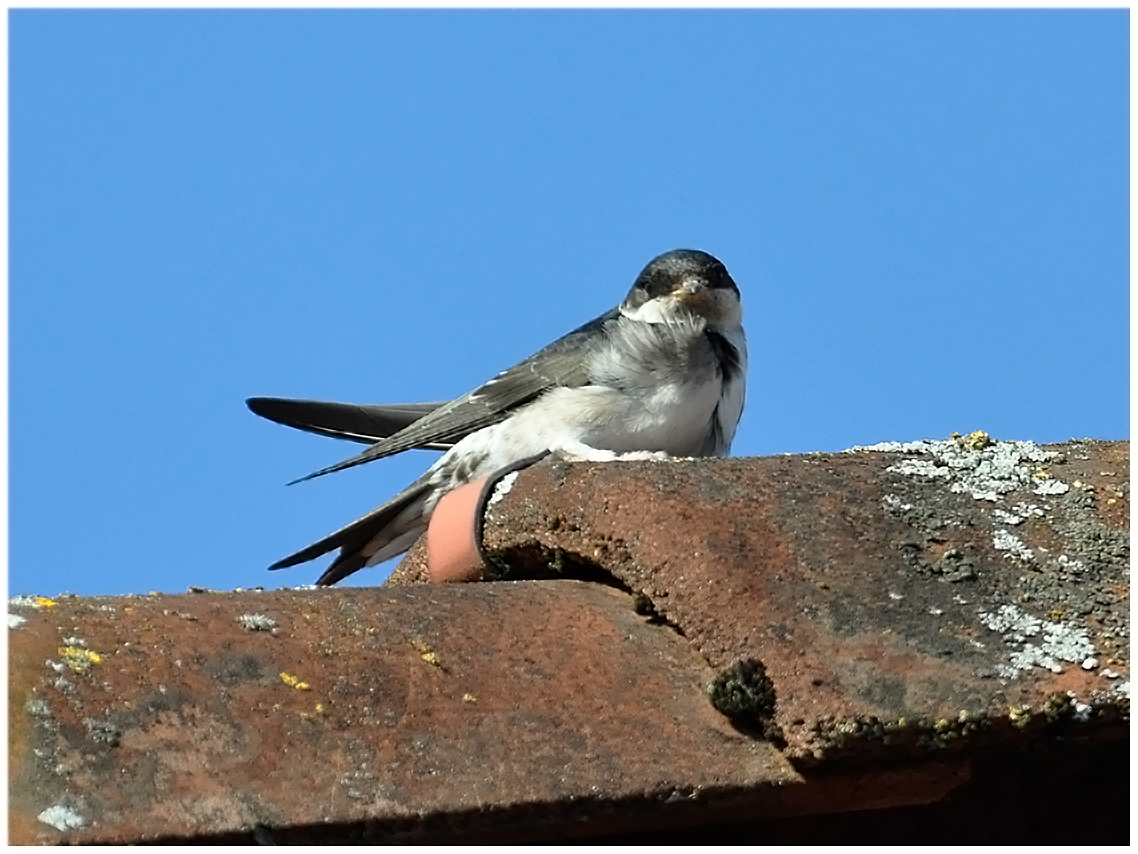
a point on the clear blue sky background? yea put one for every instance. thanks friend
(927, 213)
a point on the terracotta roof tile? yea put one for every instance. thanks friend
(873, 636)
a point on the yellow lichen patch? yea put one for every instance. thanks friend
(1020, 716)
(427, 654)
(78, 658)
(977, 440)
(44, 602)
(294, 682)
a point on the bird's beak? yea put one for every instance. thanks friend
(716, 306)
(693, 293)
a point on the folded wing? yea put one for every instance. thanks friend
(561, 364)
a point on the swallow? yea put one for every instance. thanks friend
(663, 374)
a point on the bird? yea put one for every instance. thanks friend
(661, 375)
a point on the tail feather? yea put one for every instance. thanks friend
(355, 422)
(372, 532)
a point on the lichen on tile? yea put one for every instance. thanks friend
(1058, 642)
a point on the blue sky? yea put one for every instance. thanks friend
(927, 214)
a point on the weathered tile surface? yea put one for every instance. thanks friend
(492, 705)
(892, 609)
(897, 618)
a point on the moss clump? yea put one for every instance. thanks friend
(743, 692)
(1058, 708)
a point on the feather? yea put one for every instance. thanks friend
(352, 421)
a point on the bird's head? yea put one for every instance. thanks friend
(684, 282)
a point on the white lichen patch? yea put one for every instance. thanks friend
(1082, 711)
(985, 470)
(893, 447)
(1008, 542)
(1050, 487)
(15, 621)
(257, 622)
(1006, 517)
(63, 684)
(1011, 622)
(896, 503)
(1071, 564)
(920, 468)
(38, 707)
(62, 818)
(1067, 643)
(1057, 642)
(1018, 514)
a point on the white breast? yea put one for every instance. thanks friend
(654, 389)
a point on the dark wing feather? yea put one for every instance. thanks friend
(561, 364)
(354, 536)
(355, 422)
